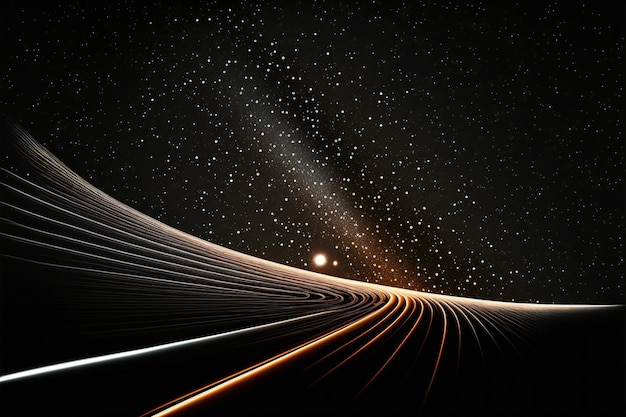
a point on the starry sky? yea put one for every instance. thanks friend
(471, 149)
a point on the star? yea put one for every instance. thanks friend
(319, 259)
(438, 178)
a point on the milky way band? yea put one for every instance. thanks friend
(97, 294)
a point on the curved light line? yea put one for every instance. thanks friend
(137, 352)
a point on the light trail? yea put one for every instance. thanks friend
(404, 341)
(439, 354)
(144, 351)
(255, 370)
(112, 276)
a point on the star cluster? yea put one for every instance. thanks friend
(469, 149)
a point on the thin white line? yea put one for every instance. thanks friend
(136, 352)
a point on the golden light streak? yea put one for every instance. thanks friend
(329, 321)
(250, 372)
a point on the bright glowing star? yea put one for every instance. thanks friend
(319, 259)
(335, 263)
